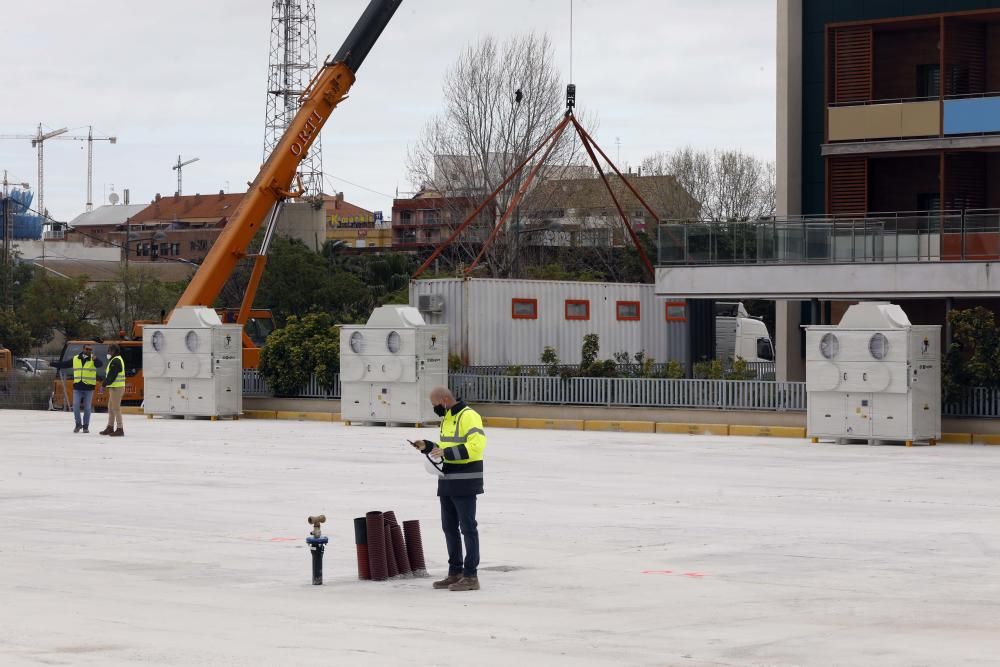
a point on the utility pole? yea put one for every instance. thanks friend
(179, 166)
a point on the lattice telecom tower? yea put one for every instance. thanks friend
(291, 66)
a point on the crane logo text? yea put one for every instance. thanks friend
(312, 124)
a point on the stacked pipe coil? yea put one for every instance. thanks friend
(399, 550)
(375, 529)
(415, 548)
(361, 544)
(390, 556)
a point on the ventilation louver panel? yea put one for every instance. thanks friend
(852, 64)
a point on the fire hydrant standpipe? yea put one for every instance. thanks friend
(317, 545)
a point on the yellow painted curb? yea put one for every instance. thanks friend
(957, 438)
(692, 429)
(624, 427)
(551, 424)
(500, 422)
(306, 416)
(986, 439)
(131, 410)
(260, 414)
(768, 431)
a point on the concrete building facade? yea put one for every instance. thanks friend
(888, 172)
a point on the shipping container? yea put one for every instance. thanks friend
(495, 322)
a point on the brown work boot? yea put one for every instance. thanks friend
(119, 433)
(107, 430)
(448, 581)
(465, 584)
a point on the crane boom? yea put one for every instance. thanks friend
(272, 184)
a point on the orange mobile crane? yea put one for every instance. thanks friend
(261, 205)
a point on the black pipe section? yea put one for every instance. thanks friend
(366, 32)
(361, 530)
(361, 546)
(316, 546)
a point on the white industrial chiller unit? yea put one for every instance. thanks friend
(874, 377)
(193, 365)
(389, 366)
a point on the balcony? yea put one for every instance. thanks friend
(922, 236)
(885, 120)
(922, 254)
(972, 114)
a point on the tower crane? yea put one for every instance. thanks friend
(179, 166)
(90, 139)
(38, 141)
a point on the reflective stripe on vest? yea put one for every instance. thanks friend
(119, 382)
(85, 373)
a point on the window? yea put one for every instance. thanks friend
(929, 80)
(577, 309)
(524, 309)
(627, 310)
(676, 311)
(764, 349)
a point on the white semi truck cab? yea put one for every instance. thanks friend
(737, 335)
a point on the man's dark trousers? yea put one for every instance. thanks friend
(460, 512)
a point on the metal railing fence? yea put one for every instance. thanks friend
(621, 392)
(919, 236)
(764, 369)
(631, 392)
(255, 385)
(978, 402)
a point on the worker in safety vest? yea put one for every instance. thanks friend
(460, 453)
(114, 382)
(85, 367)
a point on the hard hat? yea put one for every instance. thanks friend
(433, 465)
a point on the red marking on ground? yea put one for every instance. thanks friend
(285, 539)
(693, 574)
(657, 571)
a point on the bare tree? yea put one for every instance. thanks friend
(500, 101)
(731, 185)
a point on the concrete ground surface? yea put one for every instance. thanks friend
(182, 544)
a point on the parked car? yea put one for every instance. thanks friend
(33, 367)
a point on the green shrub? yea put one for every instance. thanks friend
(740, 370)
(673, 370)
(551, 361)
(973, 358)
(305, 346)
(455, 364)
(710, 369)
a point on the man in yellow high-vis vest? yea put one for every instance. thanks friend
(463, 442)
(114, 382)
(85, 367)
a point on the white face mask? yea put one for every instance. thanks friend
(108, 355)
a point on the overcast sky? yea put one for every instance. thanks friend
(188, 77)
